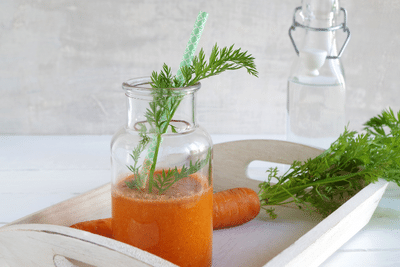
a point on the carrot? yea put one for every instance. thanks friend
(231, 207)
(101, 227)
(234, 207)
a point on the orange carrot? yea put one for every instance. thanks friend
(231, 207)
(101, 227)
(234, 207)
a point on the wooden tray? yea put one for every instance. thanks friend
(293, 239)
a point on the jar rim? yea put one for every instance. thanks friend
(142, 84)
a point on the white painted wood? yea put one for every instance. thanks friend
(38, 244)
(364, 258)
(231, 159)
(224, 138)
(293, 238)
(323, 240)
(16, 206)
(260, 240)
(25, 192)
(52, 181)
(55, 152)
(315, 246)
(94, 204)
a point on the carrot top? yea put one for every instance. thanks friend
(353, 161)
(163, 106)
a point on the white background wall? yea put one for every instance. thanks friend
(62, 62)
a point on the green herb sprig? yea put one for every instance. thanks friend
(166, 101)
(220, 60)
(167, 178)
(140, 179)
(353, 161)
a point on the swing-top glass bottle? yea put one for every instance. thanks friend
(316, 84)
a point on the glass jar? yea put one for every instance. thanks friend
(162, 175)
(316, 91)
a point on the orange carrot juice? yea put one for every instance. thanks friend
(176, 225)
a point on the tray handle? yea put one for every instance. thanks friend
(47, 245)
(231, 159)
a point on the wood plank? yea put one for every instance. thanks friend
(368, 239)
(94, 204)
(393, 192)
(382, 232)
(52, 181)
(364, 258)
(260, 240)
(225, 138)
(231, 159)
(54, 152)
(323, 240)
(40, 244)
(16, 206)
(26, 192)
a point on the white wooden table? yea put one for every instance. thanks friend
(39, 171)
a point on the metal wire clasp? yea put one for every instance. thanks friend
(334, 28)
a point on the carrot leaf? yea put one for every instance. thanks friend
(165, 101)
(354, 160)
(167, 178)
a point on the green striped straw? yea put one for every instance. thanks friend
(186, 61)
(192, 43)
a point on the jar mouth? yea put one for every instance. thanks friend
(180, 126)
(142, 85)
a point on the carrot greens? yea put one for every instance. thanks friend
(353, 161)
(167, 178)
(165, 102)
(220, 60)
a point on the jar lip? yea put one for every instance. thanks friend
(142, 84)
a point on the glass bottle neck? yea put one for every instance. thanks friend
(322, 40)
(320, 14)
(181, 120)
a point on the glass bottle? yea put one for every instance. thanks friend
(168, 213)
(316, 85)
